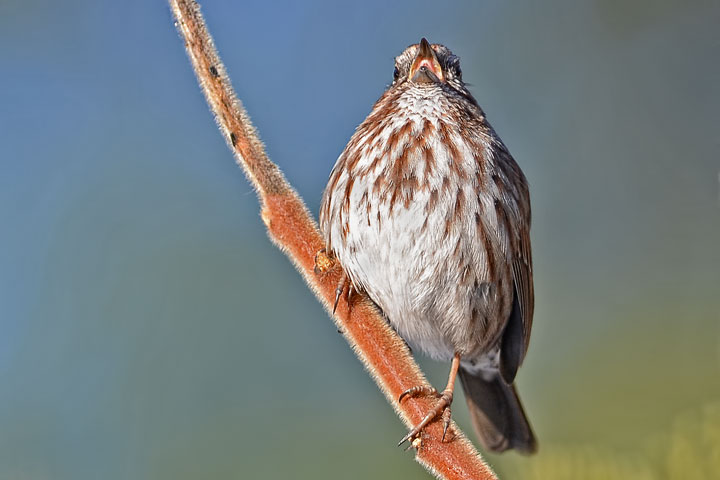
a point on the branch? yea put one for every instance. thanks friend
(292, 228)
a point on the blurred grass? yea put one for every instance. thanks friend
(690, 450)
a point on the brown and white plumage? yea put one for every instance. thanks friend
(429, 214)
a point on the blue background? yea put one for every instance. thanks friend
(148, 329)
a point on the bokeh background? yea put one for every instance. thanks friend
(149, 330)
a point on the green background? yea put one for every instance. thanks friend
(148, 329)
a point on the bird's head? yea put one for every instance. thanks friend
(424, 64)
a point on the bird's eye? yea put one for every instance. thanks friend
(458, 72)
(396, 74)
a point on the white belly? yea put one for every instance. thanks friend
(395, 261)
(425, 261)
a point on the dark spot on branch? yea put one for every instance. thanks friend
(233, 139)
(213, 71)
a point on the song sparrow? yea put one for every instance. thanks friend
(429, 214)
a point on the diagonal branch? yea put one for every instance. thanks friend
(292, 228)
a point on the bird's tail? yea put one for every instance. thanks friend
(497, 414)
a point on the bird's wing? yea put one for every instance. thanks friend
(517, 333)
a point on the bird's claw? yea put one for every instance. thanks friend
(417, 391)
(442, 408)
(325, 262)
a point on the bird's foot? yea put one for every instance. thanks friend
(342, 284)
(325, 262)
(441, 408)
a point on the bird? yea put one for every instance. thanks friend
(429, 215)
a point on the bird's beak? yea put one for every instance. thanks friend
(426, 68)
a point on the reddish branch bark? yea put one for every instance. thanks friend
(293, 229)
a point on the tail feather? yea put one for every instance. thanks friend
(497, 414)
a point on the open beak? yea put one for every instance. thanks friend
(426, 68)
